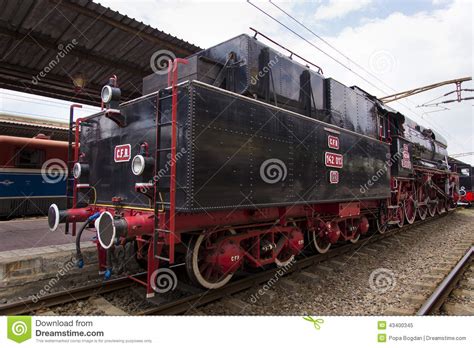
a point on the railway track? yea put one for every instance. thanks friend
(446, 287)
(63, 297)
(196, 298)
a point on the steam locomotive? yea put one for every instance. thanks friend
(240, 158)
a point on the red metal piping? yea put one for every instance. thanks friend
(76, 158)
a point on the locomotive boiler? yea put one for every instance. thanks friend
(241, 158)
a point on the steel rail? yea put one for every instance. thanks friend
(195, 300)
(436, 300)
(66, 296)
(204, 297)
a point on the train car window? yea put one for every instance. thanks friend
(465, 171)
(30, 158)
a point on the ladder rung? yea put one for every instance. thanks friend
(393, 207)
(165, 124)
(162, 258)
(162, 230)
(164, 149)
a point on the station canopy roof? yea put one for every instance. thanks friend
(49, 46)
(29, 127)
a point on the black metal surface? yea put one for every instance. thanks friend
(401, 157)
(100, 136)
(230, 147)
(350, 109)
(246, 66)
(223, 141)
(466, 177)
(427, 147)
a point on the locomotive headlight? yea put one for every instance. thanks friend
(138, 165)
(109, 94)
(80, 169)
(76, 171)
(142, 165)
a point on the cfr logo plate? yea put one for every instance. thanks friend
(122, 153)
(333, 142)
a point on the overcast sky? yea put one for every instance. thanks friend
(399, 44)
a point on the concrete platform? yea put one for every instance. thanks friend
(31, 256)
(33, 233)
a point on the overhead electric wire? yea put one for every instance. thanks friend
(351, 70)
(446, 94)
(316, 47)
(330, 45)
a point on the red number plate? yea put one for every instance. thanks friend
(333, 177)
(333, 160)
(122, 153)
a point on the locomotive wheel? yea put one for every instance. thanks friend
(355, 239)
(423, 203)
(284, 259)
(409, 208)
(382, 220)
(321, 244)
(423, 210)
(400, 216)
(201, 271)
(451, 204)
(432, 205)
(441, 206)
(381, 226)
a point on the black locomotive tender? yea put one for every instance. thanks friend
(240, 158)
